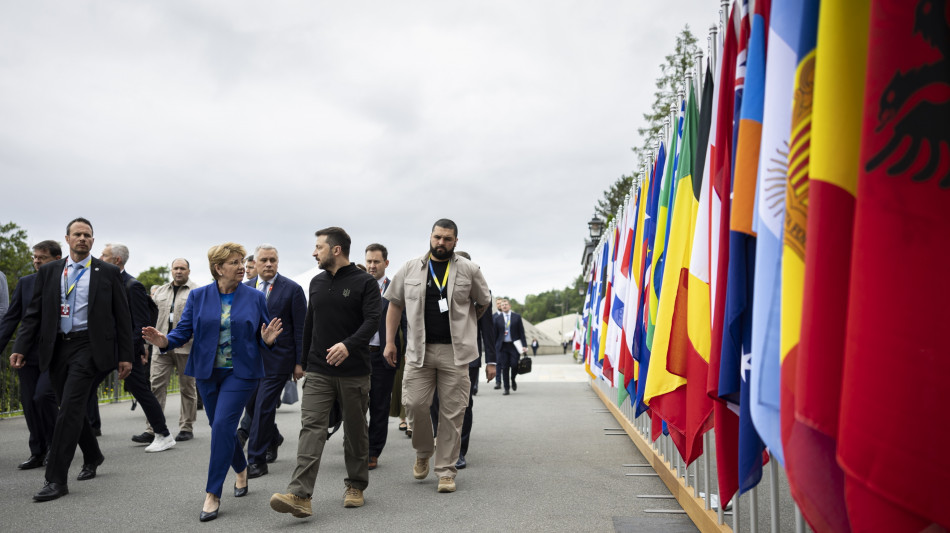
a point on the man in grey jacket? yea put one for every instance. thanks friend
(170, 299)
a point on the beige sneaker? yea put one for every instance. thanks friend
(446, 484)
(353, 497)
(291, 503)
(421, 469)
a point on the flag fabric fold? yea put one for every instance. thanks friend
(730, 85)
(896, 348)
(666, 381)
(776, 273)
(765, 376)
(737, 331)
(814, 369)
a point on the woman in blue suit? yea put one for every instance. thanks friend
(228, 321)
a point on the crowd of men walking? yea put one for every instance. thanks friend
(240, 343)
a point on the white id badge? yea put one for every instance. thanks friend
(443, 305)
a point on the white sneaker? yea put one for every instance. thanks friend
(160, 444)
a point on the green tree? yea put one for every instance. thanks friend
(16, 258)
(516, 306)
(156, 275)
(672, 74)
(552, 303)
(15, 262)
(613, 198)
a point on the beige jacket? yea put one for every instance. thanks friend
(468, 296)
(163, 299)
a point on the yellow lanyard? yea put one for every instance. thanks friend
(445, 278)
(76, 281)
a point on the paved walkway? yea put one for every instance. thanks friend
(539, 460)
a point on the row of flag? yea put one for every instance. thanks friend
(778, 272)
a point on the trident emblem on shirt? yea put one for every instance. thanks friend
(346, 292)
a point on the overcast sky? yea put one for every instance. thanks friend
(176, 125)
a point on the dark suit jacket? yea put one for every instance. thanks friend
(109, 320)
(22, 295)
(138, 305)
(486, 340)
(400, 335)
(201, 319)
(516, 328)
(287, 302)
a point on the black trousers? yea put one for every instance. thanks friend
(39, 407)
(467, 421)
(380, 400)
(73, 375)
(137, 384)
(507, 360)
(261, 409)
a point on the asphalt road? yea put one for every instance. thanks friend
(539, 460)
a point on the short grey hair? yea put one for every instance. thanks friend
(265, 246)
(120, 250)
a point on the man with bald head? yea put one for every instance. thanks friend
(137, 384)
(170, 299)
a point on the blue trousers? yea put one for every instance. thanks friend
(224, 397)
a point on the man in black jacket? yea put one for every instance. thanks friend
(384, 373)
(509, 344)
(80, 324)
(342, 316)
(36, 392)
(137, 383)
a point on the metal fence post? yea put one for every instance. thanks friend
(773, 494)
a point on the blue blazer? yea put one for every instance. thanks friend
(287, 302)
(201, 319)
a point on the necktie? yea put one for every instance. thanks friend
(66, 322)
(264, 289)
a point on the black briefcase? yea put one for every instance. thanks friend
(524, 365)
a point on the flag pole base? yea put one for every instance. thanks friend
(705, 520)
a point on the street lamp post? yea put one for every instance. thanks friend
(595, 228)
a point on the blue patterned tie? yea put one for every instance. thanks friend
(66, 323)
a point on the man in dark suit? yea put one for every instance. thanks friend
(286, 301)
(509, 329)
(381, 379)
(138, 383)
(79, 324)
(36, 392)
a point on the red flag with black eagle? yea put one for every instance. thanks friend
(897, 351)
